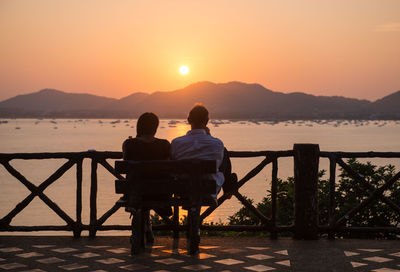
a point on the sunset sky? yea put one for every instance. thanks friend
(114, 48)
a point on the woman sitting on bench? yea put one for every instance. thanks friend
(146, 147)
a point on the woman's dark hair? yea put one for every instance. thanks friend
(147, 124)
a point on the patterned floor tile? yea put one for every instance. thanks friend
(43, 246)
(98, 247)
(10, 249)
(285, 263)
(9, 266)
(64, 250)
(29, 255)
(119, 250)
(74, 266)
(175, 251)
(208, 247)
(370, 249)
(196, 267)
(385, 270)
(356, 264)
(351, 253)
(87, 255)
(169, 261)
(259, 268)
(378, 259)
(229, 261)
(133, 267)
(232, 250)
(282, 252)
(110, 261)
(50, 260)
(258, 248)
(259, 257)
(203, 256)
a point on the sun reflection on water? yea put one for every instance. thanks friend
(177, 130)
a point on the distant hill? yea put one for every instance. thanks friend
(50, 102)
(232, 100)
(388, 107)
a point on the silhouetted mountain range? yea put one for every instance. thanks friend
(233, 100)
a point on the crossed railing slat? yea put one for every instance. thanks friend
(38, 191)
(376, 193)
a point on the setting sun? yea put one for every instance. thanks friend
(184, 70)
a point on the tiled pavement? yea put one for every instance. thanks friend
(54, 253)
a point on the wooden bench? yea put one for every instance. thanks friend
(184, 183)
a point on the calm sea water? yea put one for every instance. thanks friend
(61, 135)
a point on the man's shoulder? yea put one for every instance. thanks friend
(217, 140)
(179, 139)
(214, 140)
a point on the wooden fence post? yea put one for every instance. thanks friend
(93, 199)
(306, 161)
(78, 226)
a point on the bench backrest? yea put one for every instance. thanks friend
(190, 167)
(177, 176)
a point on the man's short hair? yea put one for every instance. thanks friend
(198, 115)
(147, 124)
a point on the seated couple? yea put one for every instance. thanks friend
(196, 144)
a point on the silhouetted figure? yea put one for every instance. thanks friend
(199, 144)
(145, 146)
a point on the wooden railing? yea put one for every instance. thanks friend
(73, 158)
(374, 194)
(306, 162)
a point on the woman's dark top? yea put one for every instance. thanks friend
(139, 150)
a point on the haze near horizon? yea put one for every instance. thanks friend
(115, 48)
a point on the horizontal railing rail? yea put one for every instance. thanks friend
(269, 224)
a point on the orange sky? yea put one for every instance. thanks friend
(114, 48)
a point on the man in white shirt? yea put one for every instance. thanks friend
(198, 144)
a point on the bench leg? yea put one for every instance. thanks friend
(148, 230)
(193, 234)
(175, 221)
(137, 237)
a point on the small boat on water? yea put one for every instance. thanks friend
(173, 122)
